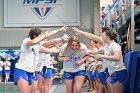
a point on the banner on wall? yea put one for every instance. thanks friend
(26, 13)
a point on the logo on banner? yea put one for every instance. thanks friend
(42, 8)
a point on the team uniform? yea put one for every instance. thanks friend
(28, 62)
(103, 69)
(46, 71)
(90, 68)
(7, 66)
(116, 69)
(72, 70)
(1, 68)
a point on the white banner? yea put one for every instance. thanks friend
(26, 13)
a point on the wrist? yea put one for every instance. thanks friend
(44, 35)
(62, 39)
(59, 30)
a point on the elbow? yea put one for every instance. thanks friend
(34, 42)
(117, 58)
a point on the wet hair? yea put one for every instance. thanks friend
(112, 34)
(76, 39)
(34, 32)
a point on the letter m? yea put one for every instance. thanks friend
(28, 1)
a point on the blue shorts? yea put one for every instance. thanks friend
(1, 72)
(90, 75)
(7, 71)
(96, 73)
(35, 76)
(29, 77)
(46, 72)
(103, 77)
(70, 75)
(120, 76)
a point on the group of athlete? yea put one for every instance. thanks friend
(5, 67)
(106, 71)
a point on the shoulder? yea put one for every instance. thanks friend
(26, 40)
(64, 45)
(83, 46)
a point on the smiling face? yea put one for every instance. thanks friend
(74, 45)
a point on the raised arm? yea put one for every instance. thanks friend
(49, 50)
(53, 32)
(55, 41)
(86, 34)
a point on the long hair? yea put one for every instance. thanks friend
(76, 39)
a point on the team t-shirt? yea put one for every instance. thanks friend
(74, 56)
(29, 57)
(114, 65)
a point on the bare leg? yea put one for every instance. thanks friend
(117, 87)
(23, 86)
(40, 83)
(35, 88)
(101, 88)
(78, 83)
(108, 85)
(47, 85)
(69, 86)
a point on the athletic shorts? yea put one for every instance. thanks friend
(90, 75)
(7, 71)
(96, 73)
(1, 72)
(46, 72)
(29, 77)
(72, 75)
(120, 76)
(103, 77)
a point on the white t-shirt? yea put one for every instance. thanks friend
(44, 60)
(1, 65)
(114, 65)
(7, 65)
(91, 58)
(47, 61)
(90, 67)
(74, 56)
(29, 57)
(103, 64)
(41, 62)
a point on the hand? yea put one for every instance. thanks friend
(66, 59)
(65, 37)
(98, 57)
(76, 31)
(91, 55)
(53, 62)
(78, 62)
(64, 28)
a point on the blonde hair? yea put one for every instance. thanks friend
(76, 39)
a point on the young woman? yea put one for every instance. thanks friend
(1, 69)
(112, 54)
(25, 68)
(116, 68)
(45, 74)
(7, 65)
(73, 55)
(91, 62)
